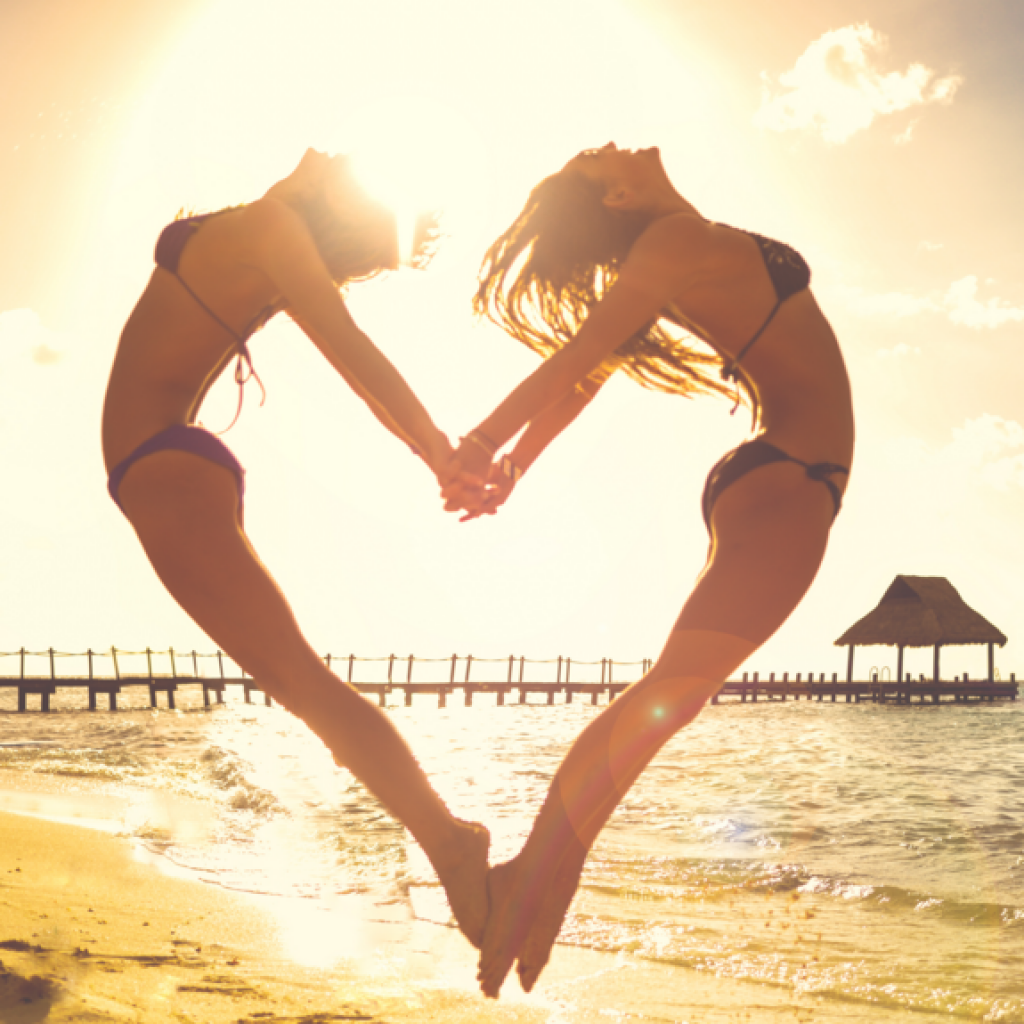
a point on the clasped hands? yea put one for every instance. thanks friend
(473, 482)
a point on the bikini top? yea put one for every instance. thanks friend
(169, 247)
(789, 274)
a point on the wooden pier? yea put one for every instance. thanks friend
(885, 691)
(106, 674)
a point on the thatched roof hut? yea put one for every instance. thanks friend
(921, 611)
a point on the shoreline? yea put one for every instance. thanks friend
(89, 931)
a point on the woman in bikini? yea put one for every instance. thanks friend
(219, 277)
(602, 254)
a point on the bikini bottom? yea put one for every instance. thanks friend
(751, 454)
(178, 437)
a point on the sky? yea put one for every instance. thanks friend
(881, 139)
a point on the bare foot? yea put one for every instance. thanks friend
(462, 871)
(536, 949)
(499, 948)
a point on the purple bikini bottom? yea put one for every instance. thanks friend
(179, 437)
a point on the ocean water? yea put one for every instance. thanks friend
(869, 855)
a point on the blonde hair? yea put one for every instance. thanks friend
(543, 276)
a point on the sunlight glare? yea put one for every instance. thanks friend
(416, 156)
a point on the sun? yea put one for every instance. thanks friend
(417, 156)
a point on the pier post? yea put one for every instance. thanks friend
(174, 675)
(149, 667)
(44, 698)
(195, 672)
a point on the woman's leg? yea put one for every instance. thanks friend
(184, 510)
(769, 534)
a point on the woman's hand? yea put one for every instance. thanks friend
(464, 489)
(481, 497)
(498, 487)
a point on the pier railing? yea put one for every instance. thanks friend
(109, 673)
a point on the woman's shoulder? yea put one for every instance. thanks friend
(679, 245)
(269, 230)
(270, 215)
(681, 237)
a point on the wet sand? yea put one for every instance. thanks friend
(89, 932)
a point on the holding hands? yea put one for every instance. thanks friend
(480, 484)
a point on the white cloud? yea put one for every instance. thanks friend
(990, 444)
(905, 136)
(960, 303)
(965, 308)
(834, 87)
(22, 332)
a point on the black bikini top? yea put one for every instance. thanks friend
(169, 247)
(789, 274)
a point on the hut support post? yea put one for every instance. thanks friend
(991, 662)
(899, 663)
(935, 665)
(849, 665)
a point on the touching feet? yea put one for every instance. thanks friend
(504, 930)
(462, 870)
(523, 925)
(547, 925)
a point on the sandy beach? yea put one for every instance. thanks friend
(89, 932)
(214, 868)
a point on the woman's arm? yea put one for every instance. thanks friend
(286, 253)
(540, 432)
(662, 262)
(543, 429)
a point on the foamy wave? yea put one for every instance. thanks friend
(229, 774)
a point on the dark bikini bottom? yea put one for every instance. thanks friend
(751, 454)
(179, 437)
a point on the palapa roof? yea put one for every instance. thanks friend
(921, 611)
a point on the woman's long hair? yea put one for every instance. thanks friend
(544, 275)
(354, 247)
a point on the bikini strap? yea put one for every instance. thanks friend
(244, 371)
(729, 368)
(820, 473)
(203, 305)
